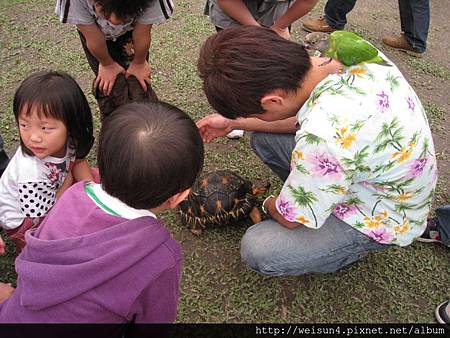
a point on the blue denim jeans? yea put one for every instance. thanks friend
(3, 157)
(414, 18)
(415, 21)
(336, 12)
(271, 249)
(443, 216)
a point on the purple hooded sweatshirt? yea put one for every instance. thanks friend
(85, 266)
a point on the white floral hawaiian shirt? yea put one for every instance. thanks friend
(364, 152)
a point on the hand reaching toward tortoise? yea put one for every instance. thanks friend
(213, 126)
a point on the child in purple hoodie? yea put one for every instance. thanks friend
(101, 255)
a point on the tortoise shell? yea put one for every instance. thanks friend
(217, 199)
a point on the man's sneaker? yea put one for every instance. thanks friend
(431, 233)
(317, 25)
(399, 42)
(442, 314)
(235, 134)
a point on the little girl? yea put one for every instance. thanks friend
(55, 127)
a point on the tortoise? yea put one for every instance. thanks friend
(219, 198)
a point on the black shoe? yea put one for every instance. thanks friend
(441, 313)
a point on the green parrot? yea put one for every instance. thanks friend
(347, 47)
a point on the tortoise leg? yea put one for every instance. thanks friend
(196, 232)
(255, 215)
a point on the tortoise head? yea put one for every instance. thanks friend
(317, 41)
(260, 187)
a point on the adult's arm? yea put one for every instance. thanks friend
(139, 67)
(215, 125)
(237, 10)
(108, 69)
(298, 9)
(273, 212)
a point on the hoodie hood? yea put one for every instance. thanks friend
(55, 271)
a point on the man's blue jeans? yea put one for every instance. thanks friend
(271, 249)
(414, 18)
(336, 12)
(415, 21)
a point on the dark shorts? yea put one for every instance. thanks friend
(124, 90)
(121, 51)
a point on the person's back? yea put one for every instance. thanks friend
(101, 255)
(368, 149)
(84, 265)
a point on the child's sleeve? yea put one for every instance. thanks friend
(74, 12)
(156, 12)
(158, 302)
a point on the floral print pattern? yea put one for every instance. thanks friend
(383, 101)
(325, 165)
(365, 154)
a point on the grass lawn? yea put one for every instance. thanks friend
(396, 285)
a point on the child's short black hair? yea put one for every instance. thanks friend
(148, 152)
(57, 95)
(123, 9)
(239, 65)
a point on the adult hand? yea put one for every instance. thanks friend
(2, 246)
(214, 125)
(283, 32)
(141, 71)
(6, 291)
(107, 76)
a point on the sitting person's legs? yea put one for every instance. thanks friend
(274, 150)
(271, 249)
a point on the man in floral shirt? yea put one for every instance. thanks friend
(360, 171)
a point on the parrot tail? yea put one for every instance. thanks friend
(379, 60)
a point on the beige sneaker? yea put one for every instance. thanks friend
(399, 42)
(317, 25)
(235, 134)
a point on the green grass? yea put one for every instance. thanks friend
(436, 115)
(428, 68)
(397, 285)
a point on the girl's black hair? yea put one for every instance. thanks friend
(56, 94)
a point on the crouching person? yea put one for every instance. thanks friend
(351, 144)
(101, 255)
